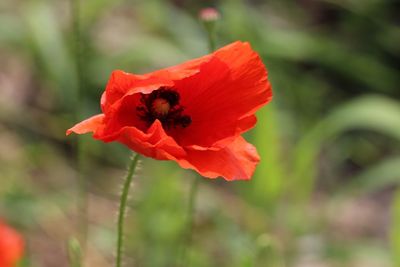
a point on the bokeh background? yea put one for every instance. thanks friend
(325, 194)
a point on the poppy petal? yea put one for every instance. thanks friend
(217, 99)
(122, 84)
(248, 72)
(187, 68)
(88, 125)
(243, 125)
(154, 143)
(11, 246)
(234, 162)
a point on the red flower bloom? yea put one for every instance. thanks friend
(11, 246)
(193, 113)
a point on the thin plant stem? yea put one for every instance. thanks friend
(76, 21)
(80, 157)
(211, 40)
(74, 253)
(211, 34)
(122, 208)
(190, 221)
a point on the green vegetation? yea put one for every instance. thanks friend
(326, 192)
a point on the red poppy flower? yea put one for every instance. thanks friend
(11, 246)
(193, 113)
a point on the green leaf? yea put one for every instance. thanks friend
(383, 174)
(269, 176)
(373, 113)
(51, 49)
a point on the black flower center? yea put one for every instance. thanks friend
(163, 104)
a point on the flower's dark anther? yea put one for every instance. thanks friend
(163, 104)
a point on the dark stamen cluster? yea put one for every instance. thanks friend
(172, 114)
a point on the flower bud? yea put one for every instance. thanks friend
(209, 14)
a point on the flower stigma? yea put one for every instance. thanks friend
(163, 105)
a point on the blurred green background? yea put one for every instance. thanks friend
(325, 193)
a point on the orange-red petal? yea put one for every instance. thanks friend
(11, 246)
(122, 83)
(220, 95)
(248, 74)
(88, 125)
(155, 143)
(234, 162)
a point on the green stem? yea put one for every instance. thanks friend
(76, 20)
(192, 202)
(211, 34)
(74, 253)
(80, 156)
(212, 40)
(190, 221)
(122, 208)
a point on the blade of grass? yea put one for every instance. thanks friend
(374, 113)
(395, 231)
(268, 179)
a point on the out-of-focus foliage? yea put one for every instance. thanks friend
(324, 193)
